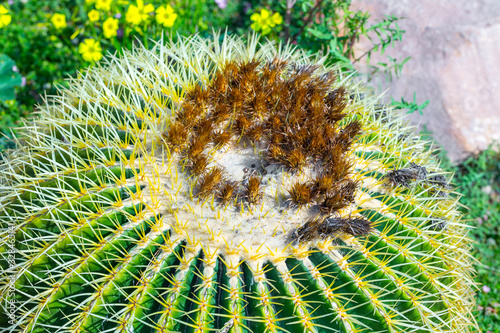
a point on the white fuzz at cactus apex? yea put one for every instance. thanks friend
(227, 184)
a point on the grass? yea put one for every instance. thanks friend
(478, 179)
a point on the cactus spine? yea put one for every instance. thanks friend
(230, 186)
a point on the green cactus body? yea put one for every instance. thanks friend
(230, 186)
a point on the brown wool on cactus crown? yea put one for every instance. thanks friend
(332, 202)
(199, 96)
(255, 133)
(204, 128)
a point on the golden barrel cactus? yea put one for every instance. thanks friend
(227, 185)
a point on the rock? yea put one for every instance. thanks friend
(455, 63)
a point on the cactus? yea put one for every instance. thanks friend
(227, 185)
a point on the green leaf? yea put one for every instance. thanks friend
(410, 106)
(319, 34)
(8, 78)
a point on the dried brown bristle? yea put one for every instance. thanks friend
(219, 85)
(258, 104)
(332, 202)
(237, 98)
(348, 189)
(330, 132)
(255, 133)
(301, 193)
(339, 196)
(317, 142)
(253, 190)
(347, 134)
(323, 183)
(190, 114)
(276, 139)
(227, 192)
(204, 128)
(333, 226)
(242, 123)
(275, 154)
(275, 122)
(199, 164)
(307, 231)
(197, 146)
(438, 180)
(295, 159)
(221, 138)
(220, 113)
(402, 177)
(338, 167)
(177, 134)
(208, 182)
(355, 226)
(336, 103)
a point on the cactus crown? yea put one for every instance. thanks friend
(289, 115)
(229, 186)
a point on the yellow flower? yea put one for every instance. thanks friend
(59, 21)
(91, 50)
(264, 21)
(94, 15)
(277, 19)
(109, 27)
(5, 18)
(137, 14)
(104, 5)
(166, 16)
(132, 15)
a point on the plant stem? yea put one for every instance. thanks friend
(308, 19)
(288, 18)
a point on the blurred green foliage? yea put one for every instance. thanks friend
(478, 179)
(9, 78)
(47, 53)
(47, 56)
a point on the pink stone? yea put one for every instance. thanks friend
(455, 63)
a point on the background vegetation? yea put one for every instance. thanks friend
(478, 179)
(50, 40)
